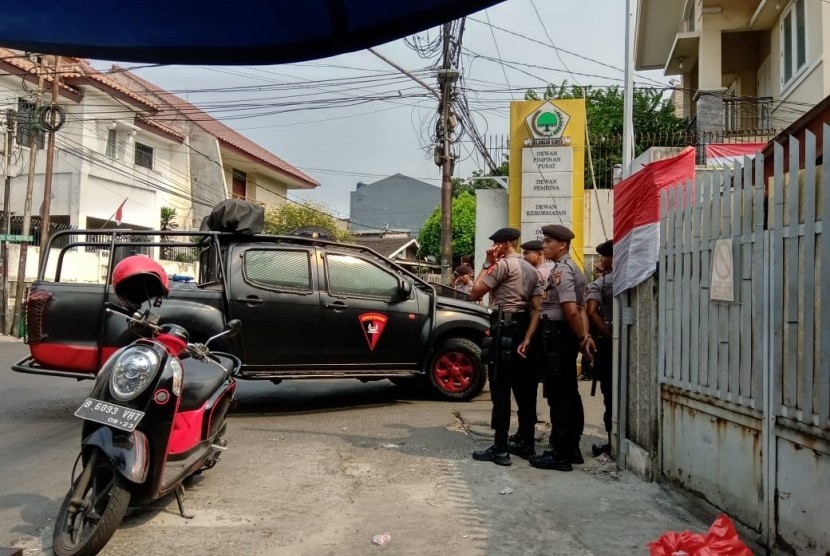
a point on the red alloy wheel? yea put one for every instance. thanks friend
(453, 371)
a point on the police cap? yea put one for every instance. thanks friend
(532, 245)
(558, 232)
(606, 248)
(505, 234)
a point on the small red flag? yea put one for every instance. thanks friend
(119, 212)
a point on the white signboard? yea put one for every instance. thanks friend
(533, 230)
(723, 277)
(547, 184)
(547, 159)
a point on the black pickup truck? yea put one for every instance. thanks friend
(309, 308)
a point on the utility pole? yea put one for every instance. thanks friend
(620, 334)
(27, 210)
(447, 77)
(46, 206)
(4, 283)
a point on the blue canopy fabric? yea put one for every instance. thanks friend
(207, 32)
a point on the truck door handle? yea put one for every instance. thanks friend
(251, 300)
(338, 306)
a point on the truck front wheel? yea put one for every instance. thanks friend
(456, 372)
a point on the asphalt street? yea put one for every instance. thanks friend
(322, 467)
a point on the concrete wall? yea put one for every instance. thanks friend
(207, 176)
(491, 214)
(599, 218)
(643, 396)
(269, 191)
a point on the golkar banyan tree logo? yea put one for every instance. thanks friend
(547, 122)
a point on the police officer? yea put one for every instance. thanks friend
(515, 294)
(566, 333)
(599, 301)
(533, 253)
(463, 278)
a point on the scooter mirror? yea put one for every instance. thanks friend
(233, 327)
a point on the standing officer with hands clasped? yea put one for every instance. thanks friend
(515, 297)
(563, 334)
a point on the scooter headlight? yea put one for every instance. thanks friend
(133, 371)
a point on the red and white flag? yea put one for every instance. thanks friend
(637, 217)
(719, 155)
(119, 213)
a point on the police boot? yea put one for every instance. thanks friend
(598, 449)
(521, 447)
(551, 460)
(497, 455)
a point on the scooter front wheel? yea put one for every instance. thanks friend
(92, 509)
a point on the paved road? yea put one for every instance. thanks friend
(320, 467)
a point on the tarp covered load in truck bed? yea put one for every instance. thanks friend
(236, 216)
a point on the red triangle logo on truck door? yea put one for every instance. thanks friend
(373, 325)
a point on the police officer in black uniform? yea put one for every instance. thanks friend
(600, 303)
(515, 297)
(565, 333)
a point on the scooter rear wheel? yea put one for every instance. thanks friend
(92, 509)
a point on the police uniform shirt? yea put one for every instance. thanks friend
(543, 272)
(601, 290)
(513, 282)
(566, 283)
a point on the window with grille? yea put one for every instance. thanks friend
(143, 155)
(793, 42)
(278, 269)
(352, 276)
(111, 138)
(26, 117)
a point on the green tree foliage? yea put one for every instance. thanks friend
(167, 218)
(167, 222)
(463, 228)
(288, 217)
(460, 186)
(654, 122)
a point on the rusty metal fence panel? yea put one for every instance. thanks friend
(745, 385)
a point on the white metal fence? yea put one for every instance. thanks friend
(745, 385)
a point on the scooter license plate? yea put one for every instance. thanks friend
(107, 413)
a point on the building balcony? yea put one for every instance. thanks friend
(742, 114)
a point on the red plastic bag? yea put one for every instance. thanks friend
(676, 544)
(721, 540)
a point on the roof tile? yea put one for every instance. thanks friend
(177, 107)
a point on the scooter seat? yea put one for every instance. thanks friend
(201, 381)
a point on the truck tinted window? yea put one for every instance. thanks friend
(353, 276)
(277, 269)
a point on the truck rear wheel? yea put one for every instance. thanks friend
(456, 372)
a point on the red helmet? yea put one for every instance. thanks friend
(138, 278)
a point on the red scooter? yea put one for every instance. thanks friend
(156, 416)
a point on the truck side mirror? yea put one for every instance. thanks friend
(405, 289)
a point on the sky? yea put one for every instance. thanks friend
(353, 118)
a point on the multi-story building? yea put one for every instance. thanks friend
(127, 143)
(745, 65)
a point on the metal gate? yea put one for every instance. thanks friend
(745, 384)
